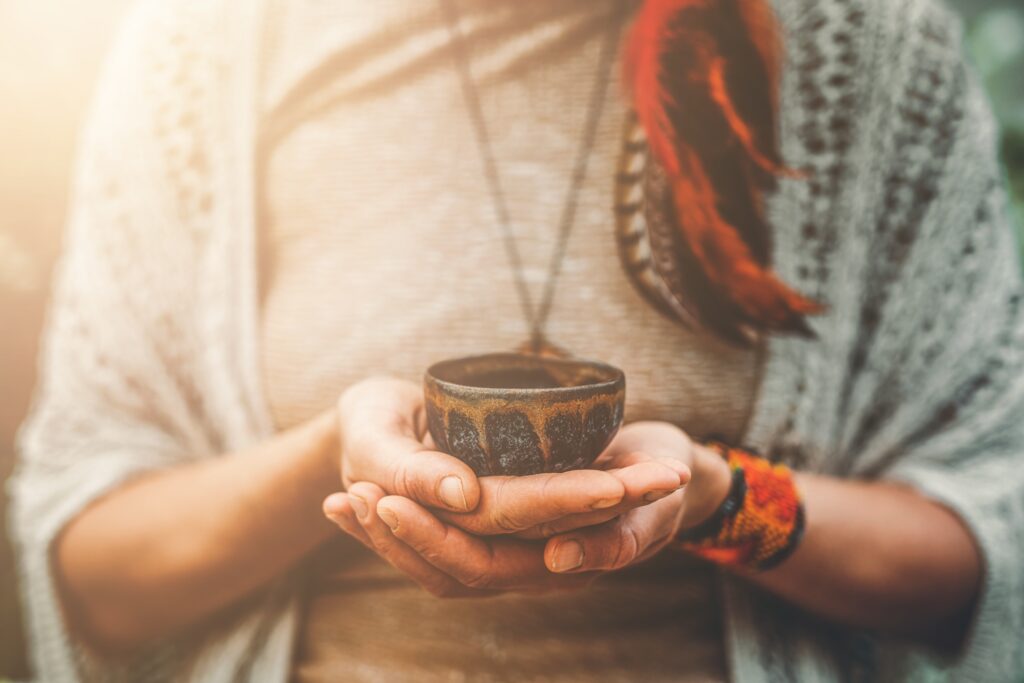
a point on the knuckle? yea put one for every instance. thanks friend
(380, 545)
(401, 478)
(428, 552)
(502, 515)
(545, 491)
(477, 580)
(627, 547)
(479, 574)
(555, 504)
(504, 522)
(432, 551)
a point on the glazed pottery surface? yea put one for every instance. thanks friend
(518, 414)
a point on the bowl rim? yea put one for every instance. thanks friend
(617, 378)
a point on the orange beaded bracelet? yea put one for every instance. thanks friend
(761, 520)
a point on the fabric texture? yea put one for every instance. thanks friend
(761, 520)
(366, 622)
(381, 265)
(901, 228)
(395, 265)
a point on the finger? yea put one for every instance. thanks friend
(511, 504)
(644, 483)
(649, 480)
(659, 440)
(612, 460)
(403, 466)
(625, 541)
(364, 498)
(382, 423)
(338, 509)
(485, 564)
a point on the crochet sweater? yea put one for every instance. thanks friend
(901, 226)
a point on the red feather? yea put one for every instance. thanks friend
(758, 296)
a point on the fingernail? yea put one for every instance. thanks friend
(389, 517)
(360, 506)
(605, 503)
(567, 556)
(451, 494)
(652, 496)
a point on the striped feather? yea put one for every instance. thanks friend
(704, 76)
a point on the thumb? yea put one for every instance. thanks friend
(428, 477)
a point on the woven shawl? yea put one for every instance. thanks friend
(901, 227)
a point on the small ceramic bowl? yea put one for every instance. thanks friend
(515, 414)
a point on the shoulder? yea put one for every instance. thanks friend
(191, 19)
(852, 60)
(166, 123)
(890, 27)
(170, 45)
(170, 63)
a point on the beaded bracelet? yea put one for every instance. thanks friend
(761, 520)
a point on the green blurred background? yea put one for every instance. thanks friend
(995, 38)
(49, 55)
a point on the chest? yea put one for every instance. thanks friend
(385, 251)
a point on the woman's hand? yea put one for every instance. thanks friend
(443, 559)
(385, 442)
(438, 552)
(642, 532)
(382, 426)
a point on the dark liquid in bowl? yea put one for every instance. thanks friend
(505, 371)
(514, 378)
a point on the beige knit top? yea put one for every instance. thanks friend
(385, 257)
(152, 357)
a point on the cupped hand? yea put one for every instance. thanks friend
(645, 462)
(443, 559)
(639, 533)
(449, 562)
(385, 442)
(437, 551)
(382, 425)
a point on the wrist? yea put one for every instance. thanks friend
(324, 447)
(760, 522)
(711, 479)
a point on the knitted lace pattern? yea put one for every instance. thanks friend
(901, 227)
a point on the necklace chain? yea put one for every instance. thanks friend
(536, 317)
